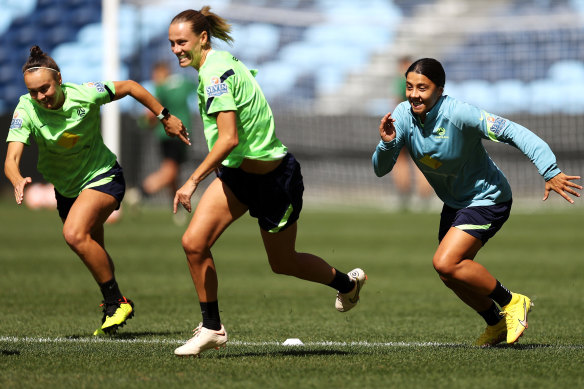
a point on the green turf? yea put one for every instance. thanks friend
(49, 307)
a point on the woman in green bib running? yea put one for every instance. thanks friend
(64, 120)
(256, 173)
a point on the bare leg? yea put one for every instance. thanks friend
(284, 259)
(454, 262)
(83, 232)
(217, 209)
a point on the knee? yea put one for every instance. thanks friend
(282, 266)
(278, 268)
(194, 248)
(74, 237)
(444, 266)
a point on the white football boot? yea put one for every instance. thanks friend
(346, 301)
(203, 339)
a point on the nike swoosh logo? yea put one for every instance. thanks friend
(356, 297)
(524, 321)
(222, 333)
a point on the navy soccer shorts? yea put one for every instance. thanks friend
(275, 198)
(480, 222)
(116, 188)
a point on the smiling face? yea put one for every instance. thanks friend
(44, 86)
(186, 45)
(422, 93)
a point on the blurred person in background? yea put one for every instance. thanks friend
(64, 120)
(256, 173)
(173, 92)
(444, 137)
(412, 187)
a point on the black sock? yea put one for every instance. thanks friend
(342, 282)
(492, 315)
(210, 312)
(501, 295)
(110, 291)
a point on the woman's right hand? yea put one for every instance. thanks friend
(19, 189)
(174, 127)
(184, 194)
(386, 128)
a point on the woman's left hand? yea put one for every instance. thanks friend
(184, 194)
(562, 184)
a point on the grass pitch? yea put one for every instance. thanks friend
(408, 331)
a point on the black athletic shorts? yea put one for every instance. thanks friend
(275, 198)
(116, 187)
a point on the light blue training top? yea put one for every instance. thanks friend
(448, 149)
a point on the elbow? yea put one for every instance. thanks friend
(376, 168)
(230, 142)
(133, 88)
(233, 143)
(378, 172)
(125, 88)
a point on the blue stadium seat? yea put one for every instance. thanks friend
(60, 34)
(8, 73)
(545, 97)
(90, 34)
(567, 71)
(6, 17)
(509, 96)
(85, 15)
(328, 78)
(263, 39)
(478, 93)
(52, 17)
(13, 92)
(13, 9)
(305, 57)
(277, 77)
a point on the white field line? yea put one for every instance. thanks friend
(14, 339)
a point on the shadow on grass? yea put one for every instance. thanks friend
(128, 335)
(534, 346)
(9, 352)
(294, 353)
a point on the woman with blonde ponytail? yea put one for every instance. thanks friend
(256, 173)
(64, 120)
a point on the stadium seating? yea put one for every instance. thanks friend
(47, 23)
(302, 60)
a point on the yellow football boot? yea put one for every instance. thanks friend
(114, 316)
(516, 316)
(492, 335)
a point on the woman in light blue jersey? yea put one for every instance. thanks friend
(256, 173)
(444, 138)
(64, 120)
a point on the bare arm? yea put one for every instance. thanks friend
(172, 125)
(12, 170)
(226, 142)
